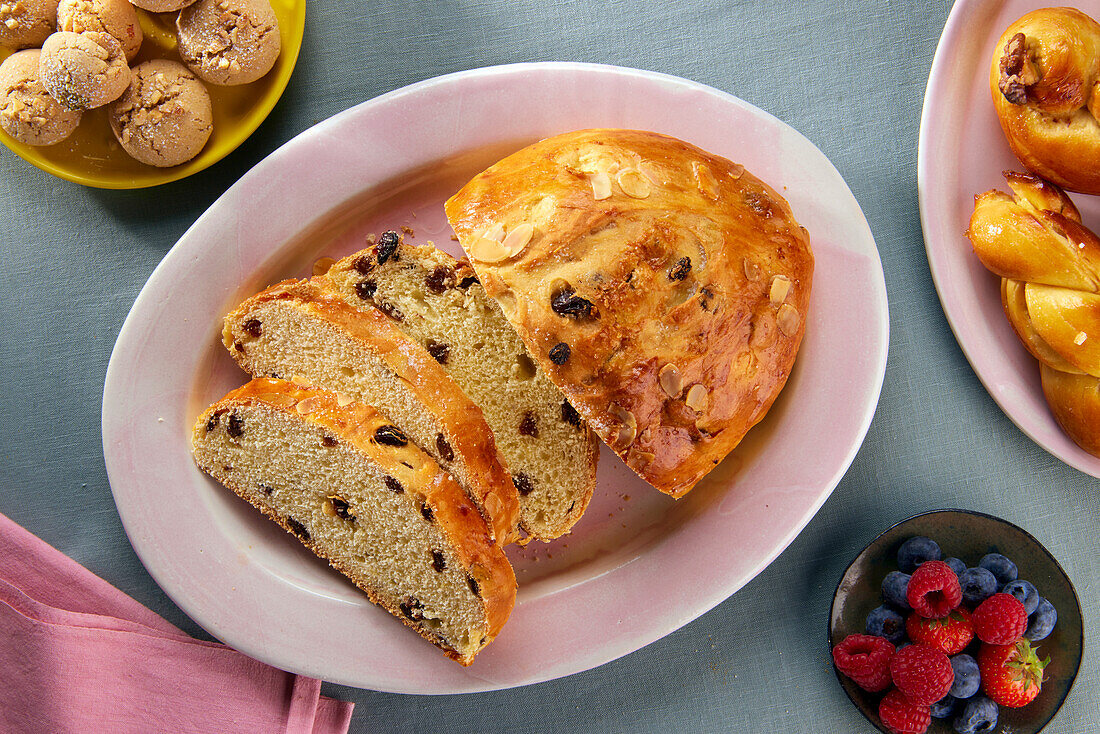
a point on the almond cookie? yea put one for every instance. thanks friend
(229, 42)
(116, 17)
(25, 23)
(162, 6)
(83, 70)
(164, 117)
(27, 111)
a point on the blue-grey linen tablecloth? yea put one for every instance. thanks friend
(849, 75)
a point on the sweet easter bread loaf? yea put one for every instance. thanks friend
(1049, 265)
(1045, 82)
(349, 485)
(438, 302)
(663, 289)
(303, 331)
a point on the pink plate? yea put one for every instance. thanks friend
(639, 565)
(962, 152)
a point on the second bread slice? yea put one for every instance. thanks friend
(438, 302)
(298, 330)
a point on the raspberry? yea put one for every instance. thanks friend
(934, 589)
(922, 673)
(901, 715)
(951, 633)
(866, 660)
(1000, 619)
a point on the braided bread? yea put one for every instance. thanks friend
(1045, 81)
(1049, 265)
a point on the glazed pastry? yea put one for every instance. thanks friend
(27, 111)
(1045, 82)
(349, 485)
(437, 302)
(164, 118)
(26, 23)
(303, 331)
(229, 42)
(83, 70)
(116, 17)
(1049, 265)
(663, 289)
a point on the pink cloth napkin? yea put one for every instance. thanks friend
(78, 655)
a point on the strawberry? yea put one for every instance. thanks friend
(866, 660)
(922, 672)
(933, 590)
(901, 715)
(999, 620)
(1012, 675)
(951, 633)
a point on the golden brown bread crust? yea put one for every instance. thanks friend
(1045, 82)
(355, 424)
(467, 432)
(1075, 402)
(1049, 265)
(662, 288)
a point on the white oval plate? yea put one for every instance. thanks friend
(962, 151)
(639, 565)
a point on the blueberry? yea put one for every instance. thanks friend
(956, 565)
(1042, 621)
(893, 590)
(916, 551)
(999, 566)
(980, 714)
(1025, 591)
(943, 708)
(978, 584)
(967, 676)
(885, 622)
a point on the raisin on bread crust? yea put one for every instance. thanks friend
(663, 289)
(301, 331)
(438, 302)
(348, 484)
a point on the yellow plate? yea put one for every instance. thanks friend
(91, 156)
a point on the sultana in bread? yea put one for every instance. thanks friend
(352, 488)
(1045, 82)
(663, 289)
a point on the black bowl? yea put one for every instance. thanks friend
(967, 535)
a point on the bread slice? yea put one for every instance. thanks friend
(351, 487)
(298, 330)
(437, 301)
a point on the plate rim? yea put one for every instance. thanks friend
(879, 307)
(939, 77)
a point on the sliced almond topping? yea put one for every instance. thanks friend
(705, 181)
(781, 288)
(518, 238)
(278, 399)
(496, 232)
(698, 398)
(343, 400)
(487, 250)
(307, 406)
(641, 459)
(671, 381)
(5, 9)
(788, 319)
(752, 270)
(300, 380)
(11, 23)
(634, 184)
(601, 185)
(629, 429)
(322, 265)
(737, 170)
(1080, 338)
